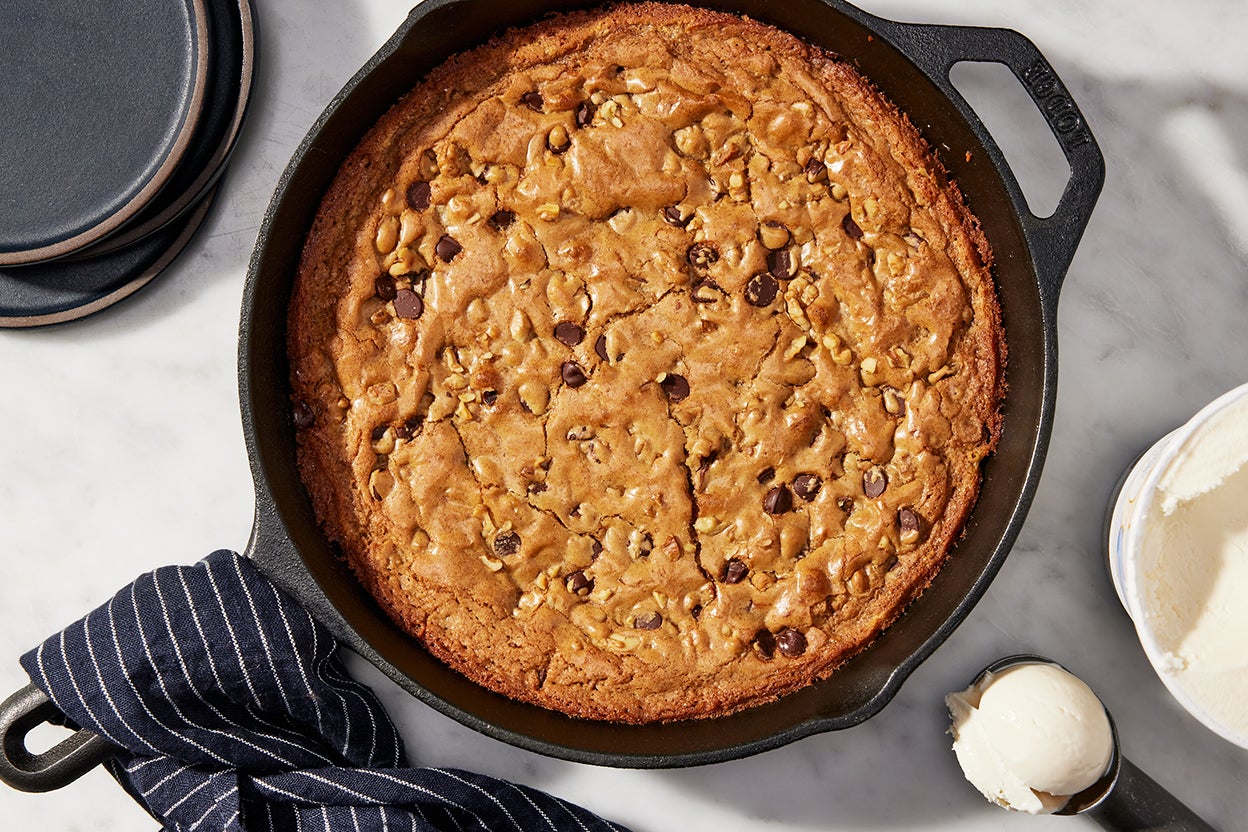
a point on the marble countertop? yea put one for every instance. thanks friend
(122, 450)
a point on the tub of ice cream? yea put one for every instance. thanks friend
(1178, 557)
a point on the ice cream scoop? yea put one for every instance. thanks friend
(1033, 737)
(1030, 736)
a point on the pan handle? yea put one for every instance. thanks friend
(58, 766)
(1052, 240)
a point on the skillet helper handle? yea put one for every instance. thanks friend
(1138, 803)
(58, 766)
(1053, 239)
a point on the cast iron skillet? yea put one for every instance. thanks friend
(911, 64)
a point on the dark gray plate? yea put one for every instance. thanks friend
(232, 62)
(65, 290)
(100, 100)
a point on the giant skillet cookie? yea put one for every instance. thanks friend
(643, 362)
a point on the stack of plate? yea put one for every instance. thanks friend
(118, 118)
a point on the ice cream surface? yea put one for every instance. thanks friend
(1193, 571)
(1030, 736)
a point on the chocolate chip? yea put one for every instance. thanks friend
(646, 546)
(894, 402)
(600, 347)
(533, 100)
(704, 283)
(761, 290)
(874, 482)
(572, 374)
(696, 612)
(734, 571)
(648, 621)
(385, 288)
(579, 583)
(791, 642)
(806, 486)
(778, 500)
(378, 432)
(815, 170)
(558, 141)
(507, 543)
(764, 644)
(303, 415)
(846, 504)
(595, 550)
(419, 195)
(408, 429)
(773, 234)
(675, 387)
(851, 227)
(501, 219)
(870, 258)
(569, 333)
(447, 248)
(766, 475)
(702, 255)
(908, 520)
(674, 216)
(781, 264)
(489, 397)
(407, 304)
(585, 114)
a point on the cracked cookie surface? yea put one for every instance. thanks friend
(643, 362)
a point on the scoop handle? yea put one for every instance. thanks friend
(1138, 803)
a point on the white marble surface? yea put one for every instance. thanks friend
(121, 447)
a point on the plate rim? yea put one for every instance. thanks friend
(192, 113)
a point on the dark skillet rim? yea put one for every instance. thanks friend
(272, 539)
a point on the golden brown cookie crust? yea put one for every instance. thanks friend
(643, 361)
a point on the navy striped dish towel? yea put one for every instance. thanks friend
(234, 712)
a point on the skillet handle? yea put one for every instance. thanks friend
(1053, 239)
(58, 766)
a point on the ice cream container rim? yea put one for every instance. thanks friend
(1132, 521)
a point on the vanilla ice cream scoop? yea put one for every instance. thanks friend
(1034, 738)
(1031, 735)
